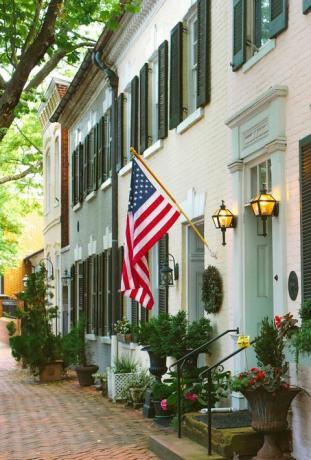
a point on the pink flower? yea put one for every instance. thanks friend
(252, 381)
(191, 396)
(163, 404)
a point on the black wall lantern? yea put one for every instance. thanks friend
(66, 277)
(166, 273)
(223, 219)
(264, 205)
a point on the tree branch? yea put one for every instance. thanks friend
(52, 64)
(33, 169)
(33, 26)
(2, 82)
(27, 139)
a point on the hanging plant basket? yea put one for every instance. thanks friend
(212, 293)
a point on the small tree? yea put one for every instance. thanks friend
(37, 345)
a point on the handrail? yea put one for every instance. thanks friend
(209, 383)
(202, 347)
(179, 363)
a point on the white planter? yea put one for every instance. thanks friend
(116, 383)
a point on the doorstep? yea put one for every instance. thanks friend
(169, 447)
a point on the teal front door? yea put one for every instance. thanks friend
(195, 272)
(258, 273)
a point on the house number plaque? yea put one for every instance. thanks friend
(293, 285)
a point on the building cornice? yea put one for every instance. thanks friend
(256, 105)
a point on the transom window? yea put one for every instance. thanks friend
(259, 175)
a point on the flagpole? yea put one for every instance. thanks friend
(194, 228)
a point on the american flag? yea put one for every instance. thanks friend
(149, 217)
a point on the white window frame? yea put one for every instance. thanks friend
(251, 49)
(192, 61)
(57, 169)
(155, 100)
(127, 118)
(48, 181)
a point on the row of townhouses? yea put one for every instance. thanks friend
(216, 98)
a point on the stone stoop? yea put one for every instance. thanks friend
(242, 443)
(169, 447)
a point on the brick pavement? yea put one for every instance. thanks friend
(62, 421)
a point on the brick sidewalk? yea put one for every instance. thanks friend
(62, 421)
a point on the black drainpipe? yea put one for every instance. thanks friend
(113, 82)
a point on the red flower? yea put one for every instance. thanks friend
(252, 381)
(278, 321)
(191, 396)
(254, 369)
(261, 375)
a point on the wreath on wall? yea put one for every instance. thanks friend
(212, 293)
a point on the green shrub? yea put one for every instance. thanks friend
(161, 391)
(74, 346)
(124, 365)
(269, 346)
(198, 333)
(212, 291)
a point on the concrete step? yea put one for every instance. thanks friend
(170, 447)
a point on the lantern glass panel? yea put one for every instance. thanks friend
(225, 218)
(267, 204)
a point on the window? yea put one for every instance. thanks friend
(155, 101)
(254, 23)
(260, 175)
(192, 63)
(57, 172)
(47, 182)
(258, 25)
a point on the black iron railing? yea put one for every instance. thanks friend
(209, 386)
(180, 362)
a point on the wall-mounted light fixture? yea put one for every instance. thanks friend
(166, 273)
(65, 277)
(223, 219)
(264, 205)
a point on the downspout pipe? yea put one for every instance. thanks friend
(113, 80)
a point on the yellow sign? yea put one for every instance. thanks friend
(243, 341)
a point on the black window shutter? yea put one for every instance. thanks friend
(162, 89)
(143, 107)
(81, 172)
(306, 7)
(305, 206)
(239, 34)
(73, 178)
(81, 288)
(109, 287)
(204, 54)
(278, 17)
(143, 314)
(258, 25)
(105, 293)
(120, 263)
(100, 296)
(95, 294)
(90, 323)
(134, 312)
(176, 73)
(85, 164)
(73, 296)
(95, 157)
(85, 291)
(120, 130)
(163, 259)
(134, 113)
(99, 153)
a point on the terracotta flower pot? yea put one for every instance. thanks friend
(85, 376)
(269, 416)
(51, 372)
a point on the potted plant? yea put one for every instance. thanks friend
(160, 395)
(134, 391)
(120, 376)
(123, 329)
(37, 346)
(101, 382)
(301, 338)
(153, 335)
(74, 347)
(266, 387)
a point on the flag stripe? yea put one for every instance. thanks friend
(149, 217)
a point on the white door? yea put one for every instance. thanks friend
(195, 271)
